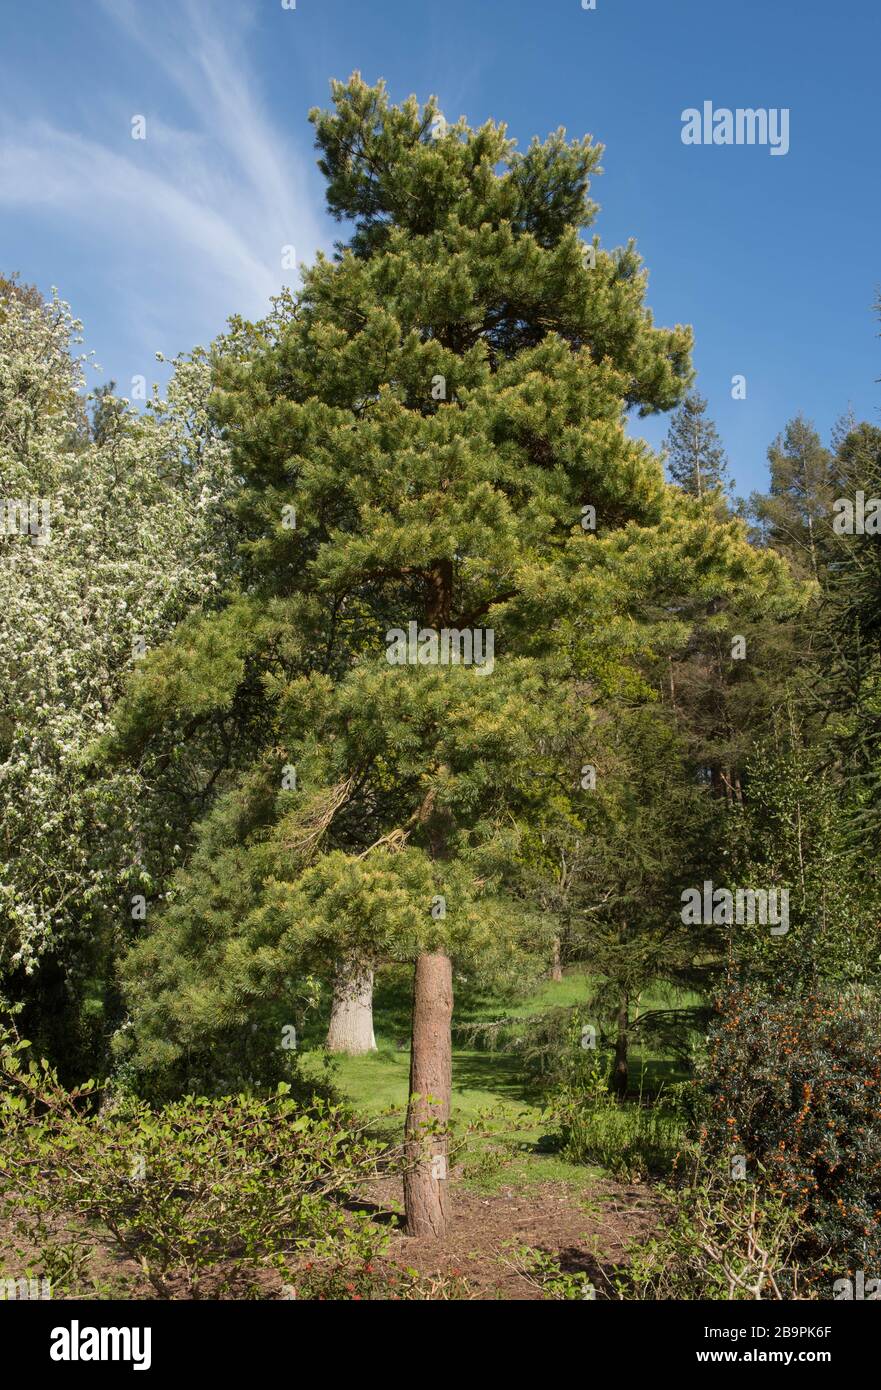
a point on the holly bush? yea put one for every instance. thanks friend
(792, 1086)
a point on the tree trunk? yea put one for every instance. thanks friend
(351, 1013)
(440, 594)
(556, 967)
(431, 1066)
(620, 1073)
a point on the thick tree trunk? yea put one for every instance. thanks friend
(351, 1013)
(431, 1074)
(620, 1071)
(556, 967)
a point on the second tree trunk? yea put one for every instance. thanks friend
(351, 1014)
(620, 1069)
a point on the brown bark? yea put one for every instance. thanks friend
(431, 1064)
(426, 1202)
(351, 1014)
(620, 1070)
(440, 594)
(556, 967)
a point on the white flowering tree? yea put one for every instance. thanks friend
(108, 538)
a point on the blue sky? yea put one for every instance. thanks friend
(774, 260)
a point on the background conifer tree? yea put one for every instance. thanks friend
(696, 461)
(798, 504)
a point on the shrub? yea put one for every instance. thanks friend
(200, 1192)
(720, 1239)
(546, 1274)
(793, 1086)
(373, 1281)
(627, 1138)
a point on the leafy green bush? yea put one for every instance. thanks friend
(203, 1192)
(546, 1274)
(627, 1138)
(793, 1087)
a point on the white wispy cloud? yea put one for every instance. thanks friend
(206, 202)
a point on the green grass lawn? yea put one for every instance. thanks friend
(484, 1082)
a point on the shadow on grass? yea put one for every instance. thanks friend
(499, 1073)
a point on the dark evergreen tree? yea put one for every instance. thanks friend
(799, 502)
(696, 461)
(848, 684)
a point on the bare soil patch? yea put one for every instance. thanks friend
(586, 1232)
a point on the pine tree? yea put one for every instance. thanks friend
(697, 461)
(799, 501)
(431, 439)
